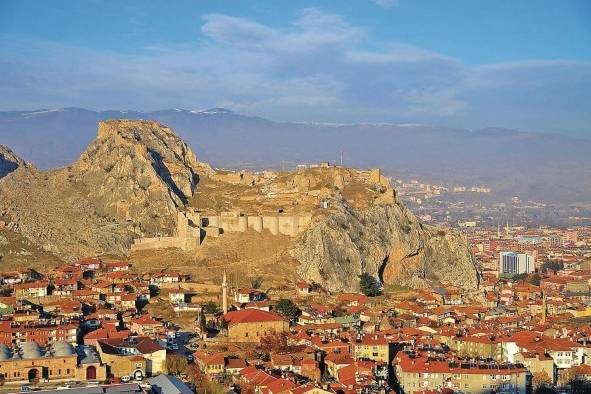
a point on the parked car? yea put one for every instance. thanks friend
(125, 379)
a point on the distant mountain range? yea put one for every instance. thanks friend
(537, 166)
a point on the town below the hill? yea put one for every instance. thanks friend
(105, 324)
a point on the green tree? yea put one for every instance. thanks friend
(222, 324)
(535, 279)
(211, 308)
(552, 265)
(287, 308)
(369, 285)
(519, 277)
(545, 390)
(202, 322)
(580, 386)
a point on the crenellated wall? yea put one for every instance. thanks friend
(191, 224)
(290, 225)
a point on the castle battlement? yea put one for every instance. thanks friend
(192, 227)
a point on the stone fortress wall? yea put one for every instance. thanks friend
(192, 227)
(290, 225)
(187, 237)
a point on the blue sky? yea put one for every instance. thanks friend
(519, 64)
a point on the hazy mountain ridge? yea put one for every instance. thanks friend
(533, 165)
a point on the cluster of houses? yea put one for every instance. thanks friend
(89, 321)
(507, 338)
(81, 322)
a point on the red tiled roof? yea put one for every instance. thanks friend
(31, 285)
(144, 344)
(250, 316)
(210, 359)
(146, 320)
(280, 385)
(235, 363)
(105, 333)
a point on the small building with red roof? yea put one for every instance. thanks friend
(249, 325)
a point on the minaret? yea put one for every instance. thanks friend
(544, 310)
(225, 294)
(507, 228)
(498, 229)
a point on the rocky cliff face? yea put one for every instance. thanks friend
(386, 241)
(129, 182)
(140, 172)
(9, 161)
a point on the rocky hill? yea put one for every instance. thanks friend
(132, 179)
(128, 183)
(140, 172)
(9, 161)
(386, 241)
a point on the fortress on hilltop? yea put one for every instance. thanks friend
(192, 227)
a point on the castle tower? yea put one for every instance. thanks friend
(224, 294)
(182, 223)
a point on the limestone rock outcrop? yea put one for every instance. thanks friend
(138, 171)
(386, 241)
(129, 182)
(9, 161)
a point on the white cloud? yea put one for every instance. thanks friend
(312, 30)
(317, 68)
